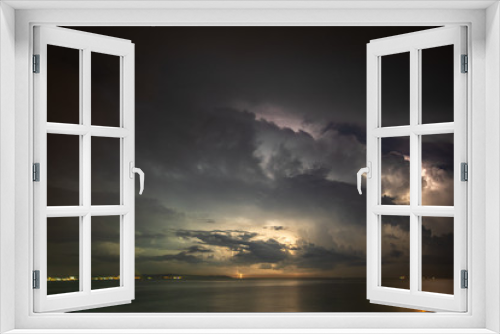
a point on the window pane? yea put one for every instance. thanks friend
(105, 171)
(437, 254)
(63, 255)
(395, 93)
(105, 252)
(437, 84)
(105, 90)
(437, 170)
(63, 85)
(63, 170)
(396, 252)
(395, 176)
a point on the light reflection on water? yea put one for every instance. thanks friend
(252, 295)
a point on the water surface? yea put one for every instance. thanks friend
(252, 295)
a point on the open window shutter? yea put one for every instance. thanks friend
(414, 294)
(87, 216)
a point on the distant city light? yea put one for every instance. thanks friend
(115, 278)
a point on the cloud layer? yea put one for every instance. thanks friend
(251, 138)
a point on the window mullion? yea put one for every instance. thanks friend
(85, 165)
(81, 232)
(123, 262)
(415, 251)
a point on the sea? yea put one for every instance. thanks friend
(254, 295)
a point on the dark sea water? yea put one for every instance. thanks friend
(252, 295)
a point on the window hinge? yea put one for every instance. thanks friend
(465, 64)
(464, 171)
(465, 279)
(36, 63)
(36, 279)
(36, 172)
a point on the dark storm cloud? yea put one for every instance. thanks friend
(437, 170)
(395, 95)
(209, 144)
(282, 163)
(311, 193)
(312, 256)
(152, 219)
(149, 235)
(218, 151)
(261, 251)
(247, 251)
(106, 259)
(348, 129)
(437, 247)
(63, 174)
(396, 145)
(223, 159)
(287, 152)
(227, 140)
(209, 160)
(395, 253)
(63, 230)
(438, 150)
(231, 239)
(275, 228)
(402, 222)
(250, 249)
(63, 251)
(198, 249)
(152, 206)
(298, 66)
(179, 257)
(395, 178)
(388, 200)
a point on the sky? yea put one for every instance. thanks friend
(250, 139)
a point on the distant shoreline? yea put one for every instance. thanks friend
(175, 277)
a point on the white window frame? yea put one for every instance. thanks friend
(17, 19)
(414, 43)
(85, 43)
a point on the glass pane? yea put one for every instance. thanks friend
(63, 255)
(105, 252)
(63, 85)
(105, 171)
(63, 170)
(437, 170)
(105, 90)
(437, 254)
(395, 94)
(395, 176)
(396, 252)
(437, 84)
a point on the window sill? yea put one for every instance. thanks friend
(252, 331)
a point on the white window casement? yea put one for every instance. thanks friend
(414, 45)
(86, 44)
(473, 27)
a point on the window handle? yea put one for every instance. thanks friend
(141, 176)
(368, 171)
